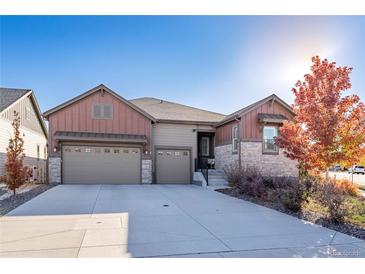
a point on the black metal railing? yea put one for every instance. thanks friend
(201, 164)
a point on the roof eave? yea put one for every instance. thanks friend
(254, 105)
(189, 122)
(30, 93)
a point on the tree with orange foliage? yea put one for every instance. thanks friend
(327, 128)
(15, 173)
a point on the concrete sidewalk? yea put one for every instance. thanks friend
(161, 221)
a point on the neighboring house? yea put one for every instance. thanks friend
(100, 137)
(33, 129)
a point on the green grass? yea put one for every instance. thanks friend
(356, 213)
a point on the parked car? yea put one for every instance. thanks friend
(357, 169)
(336, 168)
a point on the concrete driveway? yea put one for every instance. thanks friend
(160, 220)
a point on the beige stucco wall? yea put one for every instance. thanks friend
(166, 134)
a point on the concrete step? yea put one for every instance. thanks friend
(216, 172)
(217, 182)
(216, 177)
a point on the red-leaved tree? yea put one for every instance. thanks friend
(15, 173)
(328, 128)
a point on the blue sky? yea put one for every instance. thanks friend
(219, 63)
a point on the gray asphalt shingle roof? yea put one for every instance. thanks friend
(10, 95)
(165, 110)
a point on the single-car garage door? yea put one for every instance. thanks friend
(173, 166)
(101, 165)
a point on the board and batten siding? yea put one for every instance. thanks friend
(223, 134)
(77, 117)
(178, 135)
(31, 140)
(20, 106)
(250, 127)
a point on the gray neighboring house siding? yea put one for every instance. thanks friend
(32, 128)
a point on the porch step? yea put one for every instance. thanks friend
(216, 171)
(216, 177)
(217, 182)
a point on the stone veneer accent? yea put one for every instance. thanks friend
(146, 171)
(267, 164)
(54, 170)
(224, 156)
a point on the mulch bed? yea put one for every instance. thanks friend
(313, 217)
(13, 202)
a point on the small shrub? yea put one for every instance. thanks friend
(348, 187)
(251, 183)
(268, 182)
(291, 192)
(233, 174)
(330, 195)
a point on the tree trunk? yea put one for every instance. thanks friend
(14, 190)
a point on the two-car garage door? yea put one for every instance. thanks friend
(122, 165)
(101, 165)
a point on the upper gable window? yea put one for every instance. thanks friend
(102, 111)
(27, 113)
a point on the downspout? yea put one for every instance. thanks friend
(239, 120)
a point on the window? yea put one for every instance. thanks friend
(269, 135)
(27, 113)
(116, 151)
(87, 150)
(204, 146)
(107, 150)
(38, 152)
(102, 111)
(234, 139)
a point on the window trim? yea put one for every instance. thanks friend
(102, 111)
(234, 138)
(269, 151)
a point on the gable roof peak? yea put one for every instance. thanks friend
(91, 91)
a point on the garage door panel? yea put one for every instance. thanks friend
(101, 165)
(173, 166)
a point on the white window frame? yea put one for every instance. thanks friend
(265, 150)
(234, 139)
(102, 111)
(207, 144)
